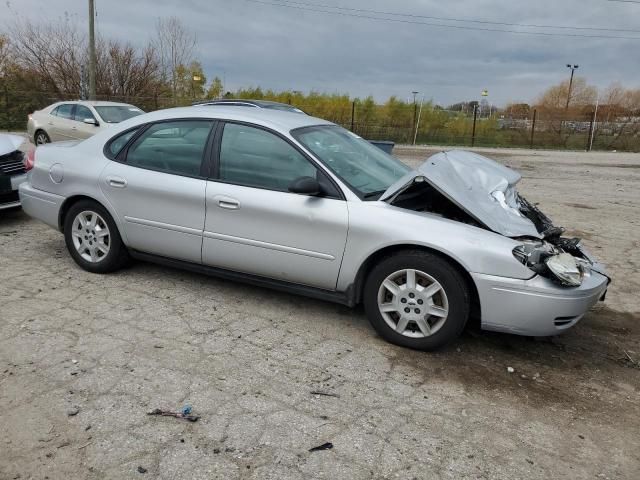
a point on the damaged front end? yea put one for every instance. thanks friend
(473, 189)
(560, 259)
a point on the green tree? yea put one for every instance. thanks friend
(190, 82)
(215, 89)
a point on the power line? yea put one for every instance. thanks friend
(441, 25)
(452, 19)
(624, 1)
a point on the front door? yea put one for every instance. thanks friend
(62, 123)
(254, 225)
(82, 130)
(158, 190)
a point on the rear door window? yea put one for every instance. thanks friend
(64, 111)
(173, 147)
(117, 144)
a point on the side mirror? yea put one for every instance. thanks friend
(305, 186)
(91, 121)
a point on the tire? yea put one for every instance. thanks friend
(438, 306)
(41, 137)
(97, 246)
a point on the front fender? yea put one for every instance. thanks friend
(374, 226)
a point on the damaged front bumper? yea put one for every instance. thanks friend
(536, 307)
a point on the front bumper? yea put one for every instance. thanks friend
(536, 307)
(42, 205)
(9, 189)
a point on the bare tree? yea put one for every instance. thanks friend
(619, 111)
(4, 55)
(175, 46)
(55, 52)
(124, 72)
(555, 98)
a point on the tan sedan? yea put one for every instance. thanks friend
(76, 120)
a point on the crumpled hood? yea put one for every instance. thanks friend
(10, 143)
(482, 187)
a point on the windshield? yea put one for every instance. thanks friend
(366, 169)
(118, 113)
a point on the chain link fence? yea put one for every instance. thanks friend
(398, 122)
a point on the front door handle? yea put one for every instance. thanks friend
(117, 182)
(227, 202)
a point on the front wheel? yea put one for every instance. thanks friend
(93, 239)
(417, 300)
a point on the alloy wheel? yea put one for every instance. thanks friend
(91, 237)
(413, 303)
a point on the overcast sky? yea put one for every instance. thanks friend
(263, 44)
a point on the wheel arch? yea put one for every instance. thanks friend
(35, 133)
(73, 199)
(375, 257)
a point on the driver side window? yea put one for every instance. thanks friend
(253, 157)
(83, 113)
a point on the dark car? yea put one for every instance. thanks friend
(12, 170)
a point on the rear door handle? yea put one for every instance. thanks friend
(227, 202)
(117, 182)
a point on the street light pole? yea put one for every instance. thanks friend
(573, 69)
(92, 52)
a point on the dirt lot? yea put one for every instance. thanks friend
(84, 357)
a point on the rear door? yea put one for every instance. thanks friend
(255, 225)
(157, 187)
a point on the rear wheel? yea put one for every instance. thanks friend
(41, 137)
(93, 239)
(417, 300)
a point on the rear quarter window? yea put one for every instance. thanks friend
(115, 145)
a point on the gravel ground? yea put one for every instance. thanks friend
(84, 357)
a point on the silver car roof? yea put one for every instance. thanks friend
(277, 119)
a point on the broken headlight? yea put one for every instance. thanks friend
(533, 253)
(552, 262)
(566, 269)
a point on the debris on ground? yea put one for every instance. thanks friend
(73, 411)
(324, 446)
(142, 469)
(510, 369)
(324, 394)
(185, 413)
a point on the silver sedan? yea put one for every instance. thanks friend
(297, 203)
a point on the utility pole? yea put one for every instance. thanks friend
(473, 132)
(573, 69)
(415, 112)
(415, 134)
(92, 51)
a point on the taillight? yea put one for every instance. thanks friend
(29, 160)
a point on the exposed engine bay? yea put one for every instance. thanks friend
(422, 197)
(468, 188)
